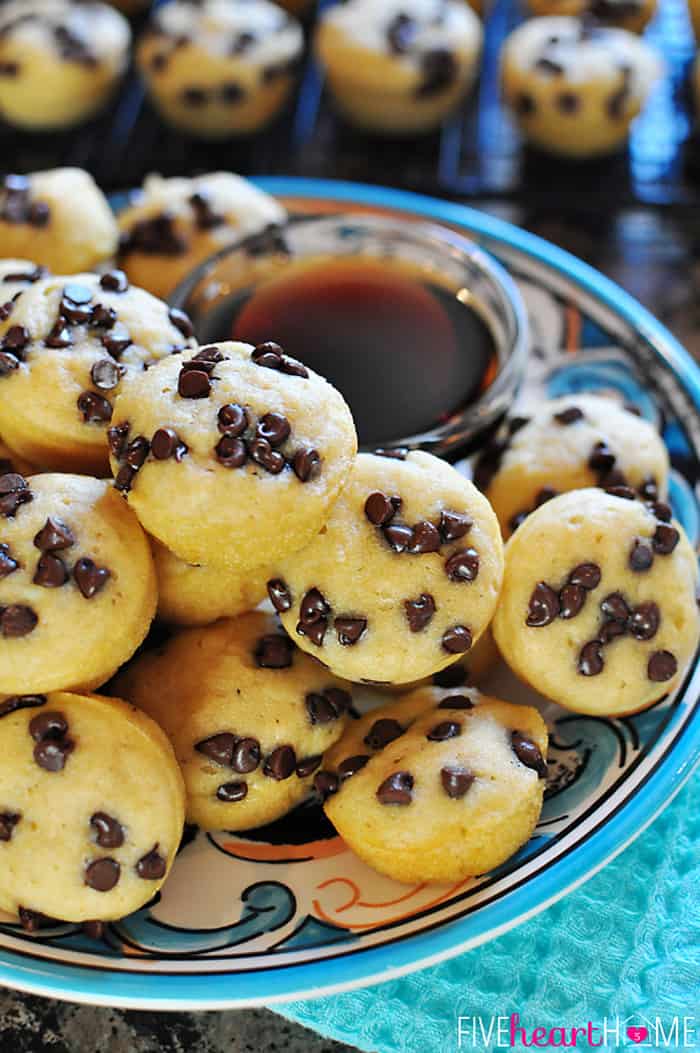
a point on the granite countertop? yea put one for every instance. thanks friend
(654, 254)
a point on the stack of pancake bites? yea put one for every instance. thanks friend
(143, 475)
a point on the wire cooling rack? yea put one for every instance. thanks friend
(477, 154)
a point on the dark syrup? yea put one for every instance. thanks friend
(405, 354)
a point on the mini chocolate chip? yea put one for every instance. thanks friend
(665, 539)
(626, 493)
(455, 702)
(232, 419)
(401, 33)
(528, 753)
(549, 66)
(567, 102)
(8, 822)
(571, 600)
(231, 452)
(587, 575)
(194, 384)
(246, 756)
(644, 621)
(280, 596)
(124, 478)
(274, 652)
(399, 537)
(52, 755)
(379, 508)
(8, 565)
(102, 874)
(419, 611)
(457, 639)
(349, 630)
(116, 437)
(614, 606)
(611, 630)
(454, 525)
(218, 748)
(181, 321)
(649, 489)
(308, 765)
(439, 70)
(90, 578)
(15, 341)
(314, 607)
(425, 538)
(326, 784)
(601, 459)
(14, 492)
(31, 920)
(59, 336)
(263, 454)
(268, 354)
(463, 566)
(662, 511)
(323, 708)
(6, 310)
(17, 620)
(543, 606)
(231, 792)
(292, 367)
(11, 705)
(274, 428)
(398, 453)
(569, 415)
(50, 725)
(641, 555)
(103, 317)
(164, 444)
(661, 666)
(54, 536)
(137, 451)
(8, 364)
(306, 464)
(117, 340)
(105, 374)
(382, 732)
(109, 832)
(447, 729)
(396, 789)
(280, 764)
(590, 660)
(152, 866)
(94, 408)
(114, 281)
(351, 765)
(340, 699)
(456, 781)
(51, 572)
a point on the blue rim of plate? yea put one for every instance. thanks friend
(376, 964)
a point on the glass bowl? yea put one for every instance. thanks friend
(428, 409)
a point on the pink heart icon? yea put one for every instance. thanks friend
(638, 1034)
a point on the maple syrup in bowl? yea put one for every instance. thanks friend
(423, 333)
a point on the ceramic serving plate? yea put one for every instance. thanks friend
(289, 912)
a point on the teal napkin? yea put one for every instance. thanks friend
(625, 944)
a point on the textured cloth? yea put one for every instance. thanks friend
(627, 942)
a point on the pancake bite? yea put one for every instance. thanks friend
(60, 62)
(248, 714)
(60, 219)
(403, 579)
(175, 224)
(570, 443)
(91, 808)
(77, 585)
(632, 15)
(574, 88)
(401, 66)
(191, 594)
(67, 347)
(217, 68)
(598, 609)
(233, 456)
(437, 787)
